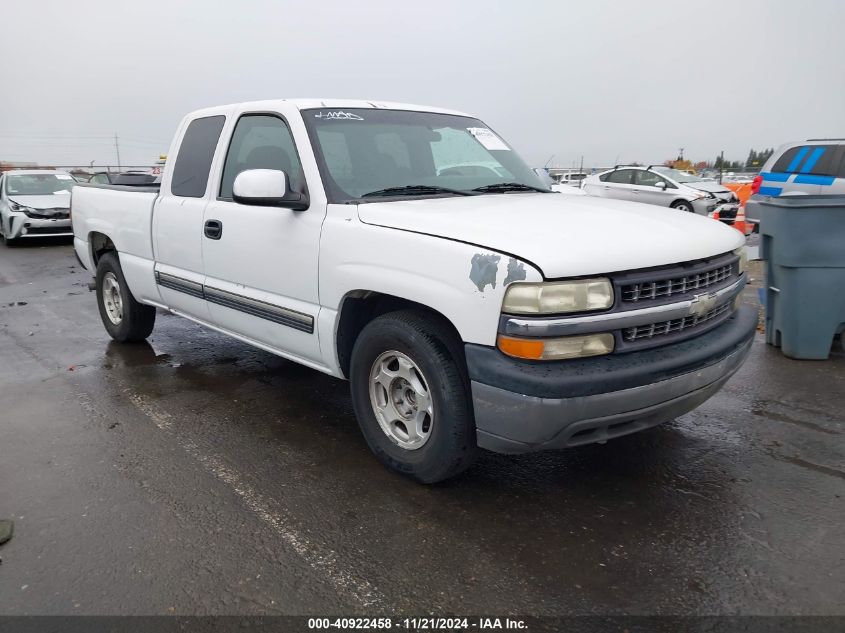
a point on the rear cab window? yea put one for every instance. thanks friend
(196, 153)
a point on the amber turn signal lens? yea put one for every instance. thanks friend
(521, 348)
(557, 348)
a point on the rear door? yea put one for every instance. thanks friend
(616, 184)
(261, 270)
(178, 219)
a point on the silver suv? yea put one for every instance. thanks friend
(812, 167)
(666, 187)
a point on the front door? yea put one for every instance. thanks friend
(261, 270)
(645, 188)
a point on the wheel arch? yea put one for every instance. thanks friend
(360, 307)
(99, 244)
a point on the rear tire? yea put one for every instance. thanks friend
(126, 320)
(683, 205)
(411, 396)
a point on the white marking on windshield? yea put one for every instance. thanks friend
(338, 115)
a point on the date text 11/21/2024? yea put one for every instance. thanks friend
(418, 624)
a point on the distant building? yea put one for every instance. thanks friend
(7, 165)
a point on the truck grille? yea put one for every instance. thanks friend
(652, 330)
(690, 282)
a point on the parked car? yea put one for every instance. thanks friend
(549, 182)
(466, 309)
(129, 178)
(572, 179)
(34, 203)
(666, 187)
(815, 166)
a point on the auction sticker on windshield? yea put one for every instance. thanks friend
(487, 139)
(338, 115)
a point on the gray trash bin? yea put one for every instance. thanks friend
(803, 243)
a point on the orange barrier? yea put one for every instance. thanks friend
(743, 192)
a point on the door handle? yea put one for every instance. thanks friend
(213, 229)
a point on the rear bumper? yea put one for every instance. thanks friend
(521, 407)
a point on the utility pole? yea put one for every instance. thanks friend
(117, 150)
(721, 165)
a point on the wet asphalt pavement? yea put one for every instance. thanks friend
(197, 475)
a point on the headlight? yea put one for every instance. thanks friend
(556, 348)
(14, 206)
(558, 297)
(743, 259)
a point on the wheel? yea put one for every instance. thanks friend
(411, 396)
(126, 320)
(6, 240)
(683, 205)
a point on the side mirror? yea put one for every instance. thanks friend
(267, 188)
(660, 184)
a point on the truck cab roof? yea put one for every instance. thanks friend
(307, 104)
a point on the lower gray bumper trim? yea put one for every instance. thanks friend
(509, 422)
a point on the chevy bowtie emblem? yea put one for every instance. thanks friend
(702, 304)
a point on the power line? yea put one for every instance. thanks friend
(62, 137)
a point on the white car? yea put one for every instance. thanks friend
(34, 203)
(547, 180)
(467, 309)
(666, 187)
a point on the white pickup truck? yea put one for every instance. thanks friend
(411, 251)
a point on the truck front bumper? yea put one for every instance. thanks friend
(526, 406)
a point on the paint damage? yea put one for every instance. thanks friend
(516, 271)
(483, 270)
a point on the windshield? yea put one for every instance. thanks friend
(369, 153)
(38, 184)
(677, 175)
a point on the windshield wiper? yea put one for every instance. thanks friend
(414, 190)
(502, 187)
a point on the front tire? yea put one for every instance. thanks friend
(411, 396)
(683, 205)
(126, 320)
(6, 240)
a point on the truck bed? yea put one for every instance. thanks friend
(124, 213)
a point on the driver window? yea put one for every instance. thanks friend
(649, 178)
(261, 141)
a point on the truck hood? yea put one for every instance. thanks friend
(564, 236)
(52, 201)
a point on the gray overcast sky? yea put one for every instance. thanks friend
(633, 80)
